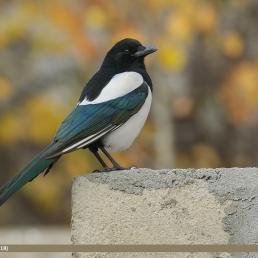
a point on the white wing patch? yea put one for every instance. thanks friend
(120, 85)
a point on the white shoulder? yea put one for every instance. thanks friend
(118, 86)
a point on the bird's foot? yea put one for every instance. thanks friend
(106, 169)
(96, 171)
(123, 168)
(116, 168)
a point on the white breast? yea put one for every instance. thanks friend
(119, 85)
(124, 136)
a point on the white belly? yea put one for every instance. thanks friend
(124, 136)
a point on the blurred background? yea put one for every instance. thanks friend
(205, 76)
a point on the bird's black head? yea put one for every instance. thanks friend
(127, 54)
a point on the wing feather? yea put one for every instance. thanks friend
(88, 123)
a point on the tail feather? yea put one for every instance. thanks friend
(38, 165)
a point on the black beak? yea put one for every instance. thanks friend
(144, 51)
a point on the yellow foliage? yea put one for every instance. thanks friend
(78, 162)
(9, 129)
(182, 106)
(233, 45)
(206, 18)
(71, 23)
(240, 92)
(179, 26)
(6, 89)
(95, 16)
(157, 5)
(49, 45)
(127, 31)
(41, 119)
(3, 40)
(201, 155)
(44, 193)
(17, 23)
(204, 156)
(171, 57)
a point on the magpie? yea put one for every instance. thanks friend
(110, 113)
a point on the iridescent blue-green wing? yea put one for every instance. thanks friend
(88, 123)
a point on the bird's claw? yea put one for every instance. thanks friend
(107, 169)
(122, 168)
(96, 171)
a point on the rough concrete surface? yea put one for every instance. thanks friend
(180, 206)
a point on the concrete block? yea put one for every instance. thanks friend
(179, 206)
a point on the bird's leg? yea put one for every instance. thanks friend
(114, 163)
(101, 161)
